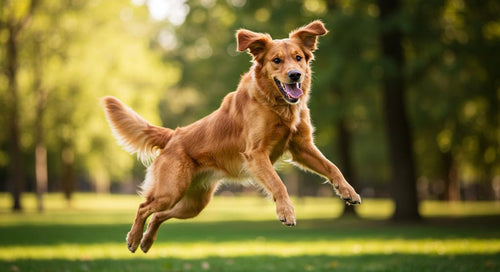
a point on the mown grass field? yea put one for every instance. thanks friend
(242, 234)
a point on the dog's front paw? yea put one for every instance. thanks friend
(286, 214)
(353, 199)
(347, 193)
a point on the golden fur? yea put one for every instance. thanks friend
(265, 117)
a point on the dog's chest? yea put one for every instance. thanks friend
(282, 129)
(281, 137)
(289, 116)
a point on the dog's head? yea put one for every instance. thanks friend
(282, 66)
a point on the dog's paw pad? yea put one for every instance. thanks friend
(131, 248)
(353, 200)
(288, 222)
(145, 248)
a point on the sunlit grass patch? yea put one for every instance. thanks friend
(460, 208)
(242, 234)
(254, 247)
(113, 209)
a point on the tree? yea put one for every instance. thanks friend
(450, 54)
(403, 180)
(117, 59)
(64, 71)
(15, 17)
(41, 176)
(346, 67)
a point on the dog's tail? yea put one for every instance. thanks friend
(133, 132)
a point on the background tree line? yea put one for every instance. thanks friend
(405, 93)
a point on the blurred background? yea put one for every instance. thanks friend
(405, 96)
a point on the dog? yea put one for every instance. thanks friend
(254, 126)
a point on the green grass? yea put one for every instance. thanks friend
(242, 234)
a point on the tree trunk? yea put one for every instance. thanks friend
(14, 26)
(16, 162)
(41, 174)
(403, 183)
(102, 183)
(344, 142)
(68, 173)
(344, 139)
(452, 185)
(40, 148)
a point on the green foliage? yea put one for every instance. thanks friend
(449, 71)
(455, 86)
(89, 49)
(174, 73)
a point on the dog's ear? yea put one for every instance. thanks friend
(308, 35)
(256, 43)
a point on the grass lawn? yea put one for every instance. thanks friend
(242, 234)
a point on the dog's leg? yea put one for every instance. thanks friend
(135, 233)
(260, 166)
(172, 179)
(308, 155)
(193, 202)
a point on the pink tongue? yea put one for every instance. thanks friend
(293, 90)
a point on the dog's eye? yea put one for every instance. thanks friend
(277, 60)
(298, 58)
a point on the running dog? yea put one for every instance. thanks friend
(255, 125)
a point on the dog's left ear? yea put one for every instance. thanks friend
(308, 35)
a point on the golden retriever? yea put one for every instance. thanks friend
(265, 117)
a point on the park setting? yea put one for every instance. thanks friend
(404, 100)
(242, 234)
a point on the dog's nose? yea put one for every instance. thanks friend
(294, 75)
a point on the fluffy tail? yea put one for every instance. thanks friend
(133, 132)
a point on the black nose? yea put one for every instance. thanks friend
(294, 75)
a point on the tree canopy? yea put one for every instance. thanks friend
(173, 61)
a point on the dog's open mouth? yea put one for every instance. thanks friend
(291, 92)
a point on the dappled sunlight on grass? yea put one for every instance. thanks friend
(242, 234)
(257, 246)
(460, 208)
(98, 209)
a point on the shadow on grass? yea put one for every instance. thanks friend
(307, 230)
(393, 262)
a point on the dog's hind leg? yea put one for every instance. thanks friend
(193, 202)
(172, 178)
